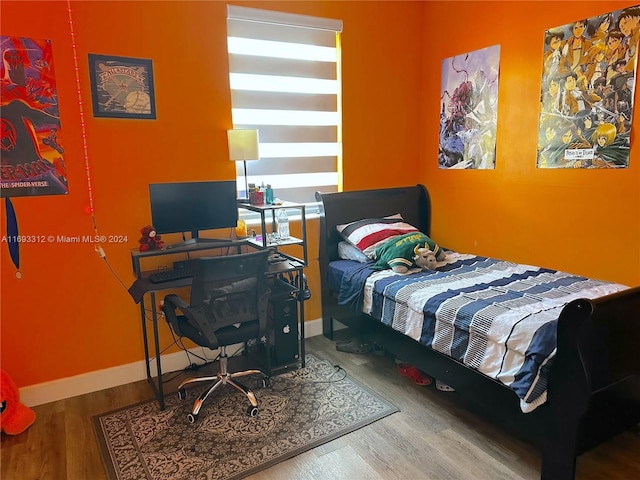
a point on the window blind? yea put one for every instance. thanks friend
(284, 74)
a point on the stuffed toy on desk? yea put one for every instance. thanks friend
(15, 417)
(150, 239)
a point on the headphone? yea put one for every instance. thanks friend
(290, 278)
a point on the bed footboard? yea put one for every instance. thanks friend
(594, 385)
(610, 341)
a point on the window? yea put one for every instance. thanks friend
(284, 73)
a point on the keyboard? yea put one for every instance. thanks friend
(170, 274)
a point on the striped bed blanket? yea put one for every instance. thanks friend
(497, 317)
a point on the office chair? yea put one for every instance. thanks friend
(228, 305)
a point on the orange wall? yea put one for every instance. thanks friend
(69, 314)
(581, 221)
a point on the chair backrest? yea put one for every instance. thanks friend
(231, 289)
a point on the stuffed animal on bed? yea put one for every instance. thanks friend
(424, 258)
(408, 251)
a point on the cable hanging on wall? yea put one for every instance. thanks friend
(83, 128)
(85, 148)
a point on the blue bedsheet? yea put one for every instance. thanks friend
(347, 277)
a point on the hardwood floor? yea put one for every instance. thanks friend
(434, 436)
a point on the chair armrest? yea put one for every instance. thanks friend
(173, 301)
(170, 305)
(194, 324)
(263, 310)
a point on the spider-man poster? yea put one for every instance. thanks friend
(588, 83)
(469, 113)
(31, 152)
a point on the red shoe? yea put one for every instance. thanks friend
(408, 370)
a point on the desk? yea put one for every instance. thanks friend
(142, 288)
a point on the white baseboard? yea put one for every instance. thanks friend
(111, 377)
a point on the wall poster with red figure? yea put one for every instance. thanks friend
(31, 152)
(588, 83)
(469, 110)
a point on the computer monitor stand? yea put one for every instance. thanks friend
(195, 240)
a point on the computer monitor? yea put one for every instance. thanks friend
(193, 207)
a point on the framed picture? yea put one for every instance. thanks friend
(122, 87)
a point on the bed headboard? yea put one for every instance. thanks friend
(343, 207)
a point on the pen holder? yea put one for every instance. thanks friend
(256, 198)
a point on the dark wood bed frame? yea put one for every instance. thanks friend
(594, 384)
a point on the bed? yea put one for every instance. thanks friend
(581, 390)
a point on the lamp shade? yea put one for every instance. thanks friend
(243, 145)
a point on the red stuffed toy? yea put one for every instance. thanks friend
(15, 417)
(150, 239)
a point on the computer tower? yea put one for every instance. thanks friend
(283, 312)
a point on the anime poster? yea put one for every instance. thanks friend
(31, 152)
(469, 114)
(588, 81)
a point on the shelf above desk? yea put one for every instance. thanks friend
(268, 237)
(258, 243)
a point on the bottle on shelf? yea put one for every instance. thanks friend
(282, 222)
(269, 195)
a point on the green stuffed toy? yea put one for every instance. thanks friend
(408, 251)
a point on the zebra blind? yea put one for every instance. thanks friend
(284, 74)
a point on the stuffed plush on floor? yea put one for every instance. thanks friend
(15, 417)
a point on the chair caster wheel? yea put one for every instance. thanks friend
(252, 411)
(266, 382)
(192, 417)
(182, 394)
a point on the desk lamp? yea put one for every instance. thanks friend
(243, 146)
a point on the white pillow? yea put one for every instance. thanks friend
(346, 251)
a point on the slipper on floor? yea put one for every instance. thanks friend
(408, 370)
(443, 387)
(378, 350)
(354, 346)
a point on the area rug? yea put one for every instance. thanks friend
(300, 410)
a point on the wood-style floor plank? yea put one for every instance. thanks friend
(433, 437)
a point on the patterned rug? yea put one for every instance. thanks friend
(299, 411)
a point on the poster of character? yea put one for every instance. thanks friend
(469, 113)
(31, 152)
(588, 80)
